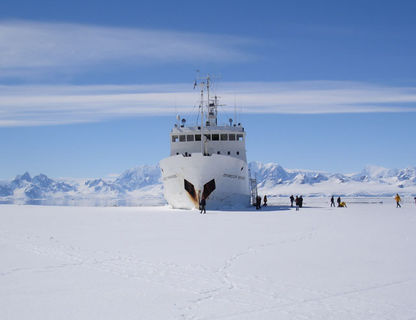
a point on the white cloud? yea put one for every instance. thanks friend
(53, 105)
(27, 47)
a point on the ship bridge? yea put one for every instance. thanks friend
(222, 140)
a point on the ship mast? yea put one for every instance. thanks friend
(211, 105)
(201, 107)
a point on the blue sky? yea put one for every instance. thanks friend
(91, 88)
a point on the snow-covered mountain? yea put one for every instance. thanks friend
(35, 187)
(130, 180)
(139, 177)
(371, 181)
(142, 185)
(136, 186)
(272, 174)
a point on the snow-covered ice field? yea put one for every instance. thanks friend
(156, 263)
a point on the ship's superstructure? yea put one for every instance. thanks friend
(206, 160)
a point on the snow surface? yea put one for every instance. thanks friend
(158, 263)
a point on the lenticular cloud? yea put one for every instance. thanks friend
(53, 105)
(32, 45)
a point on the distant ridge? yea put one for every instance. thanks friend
(371, 181)
(142, 185)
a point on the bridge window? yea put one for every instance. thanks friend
(182, 138)
(224, 136)
(232, 136)
(197, 137)
(239, 137)
(190, 137)
(174, 138)
(215, 137)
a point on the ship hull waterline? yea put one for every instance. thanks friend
(222, 180)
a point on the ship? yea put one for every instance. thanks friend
(207, 160)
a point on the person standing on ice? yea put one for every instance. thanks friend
(339, 201)
(332, 202)
(265, 201)
(292, 199)
(202, 205)
(297, 203)
(258, 202)
(398, 199)
(300, 202)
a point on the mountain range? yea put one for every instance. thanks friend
(371, 181)
(142, 185)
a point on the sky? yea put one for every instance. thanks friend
(92, 88)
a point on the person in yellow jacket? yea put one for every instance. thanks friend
(398, 199)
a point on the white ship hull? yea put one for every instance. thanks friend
(230, 177)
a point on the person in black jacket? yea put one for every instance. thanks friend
(258, 202)
(202, 205)
(339, 201)
(300, 202)
(292, 199)
(332, 202)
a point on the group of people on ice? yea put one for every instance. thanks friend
(258, 202)
(298, 201)
(341, 204)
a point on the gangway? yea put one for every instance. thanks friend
(253, 189)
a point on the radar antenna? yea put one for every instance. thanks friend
(208, 108)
